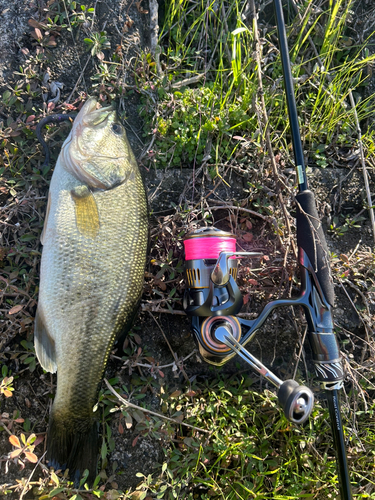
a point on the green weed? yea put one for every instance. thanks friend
(198, 122)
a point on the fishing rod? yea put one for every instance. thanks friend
(314, 256)
(213, 299)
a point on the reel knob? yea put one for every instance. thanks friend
(296, 400)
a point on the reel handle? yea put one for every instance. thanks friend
(296, 400)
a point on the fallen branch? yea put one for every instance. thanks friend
(136, 407)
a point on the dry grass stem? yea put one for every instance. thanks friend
(150, 412)
(363, 163)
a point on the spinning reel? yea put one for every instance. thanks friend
(212, 299)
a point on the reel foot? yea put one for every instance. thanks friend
(296, 400)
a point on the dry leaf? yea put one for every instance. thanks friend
(344, 258)
(140, 9)
(128, 421)
(33, 23)
(15, 309)
(252, 282)
(38, 440)
(175, 394)
(38, 34)
(14, 441)
(15, 453)
(248, 237)
(135, 441)
(137, 339)
(31, 457)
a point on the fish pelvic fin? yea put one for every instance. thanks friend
(86, 211)
(44, 344)
(72, 443)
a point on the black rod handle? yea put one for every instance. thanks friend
(291, 102)
(311, 239)
(339, 444)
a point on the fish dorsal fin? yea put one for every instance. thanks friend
(44, 344)
(86, 210)
(42, 236)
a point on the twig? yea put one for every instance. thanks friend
(169, 365)
(188, 81)
(362, 159)
(352, 285)
(169, 345)
(356, 310)
(241, 209)
(154, 33)
(229, 56)
(31, 475)
(302, 342)
(4, 426)
(136, 407)
(79, 79)
(148, 307)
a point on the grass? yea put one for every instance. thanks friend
(210, 114)
(201, 109)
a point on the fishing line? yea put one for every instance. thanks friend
(205, 247)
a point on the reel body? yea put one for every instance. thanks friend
(209, 305)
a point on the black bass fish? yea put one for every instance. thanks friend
(95, 240)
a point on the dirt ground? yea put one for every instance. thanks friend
(339, 190)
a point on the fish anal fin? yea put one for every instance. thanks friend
(44, 344)
(42, 236)
(86, 211)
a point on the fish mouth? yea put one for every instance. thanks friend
(89, 116)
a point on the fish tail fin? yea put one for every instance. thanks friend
(73, 444)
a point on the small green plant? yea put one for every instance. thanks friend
(349, 223)
(82, 16)
(28, 358)
(97, 43)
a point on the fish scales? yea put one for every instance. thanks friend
(92, 270)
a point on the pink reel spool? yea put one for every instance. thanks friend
(207, 244)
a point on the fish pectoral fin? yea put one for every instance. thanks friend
(42, 236)
(86, 210)
(44, 344)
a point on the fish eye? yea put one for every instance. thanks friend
(117, 128)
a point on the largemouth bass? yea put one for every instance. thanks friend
(95, 241)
